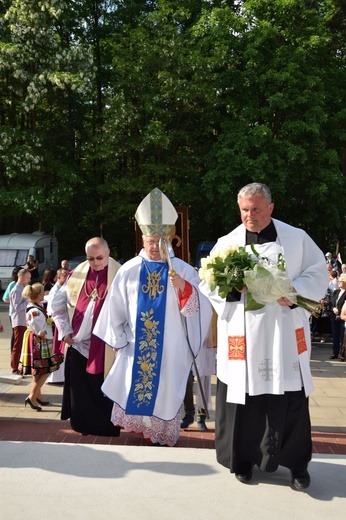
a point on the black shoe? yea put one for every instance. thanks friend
(333, 357)
(27, 401)
(187, 420)
(42, 403)
(244, 474)
(300, 479)
(202, 427)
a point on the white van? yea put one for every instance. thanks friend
(16, 247)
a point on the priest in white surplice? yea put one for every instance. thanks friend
(143, 318)
(263, 369)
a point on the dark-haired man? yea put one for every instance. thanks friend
(18, 317)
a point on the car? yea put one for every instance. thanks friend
(76, 260)
(203, 250)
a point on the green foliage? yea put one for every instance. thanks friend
(102, 101)
(44, 78)
(278, 122)
(228, 270)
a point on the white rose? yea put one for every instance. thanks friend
(209, 277)
(205, 262)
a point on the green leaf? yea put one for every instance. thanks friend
(252, 305)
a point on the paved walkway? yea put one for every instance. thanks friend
(327, 408)
(45, 466)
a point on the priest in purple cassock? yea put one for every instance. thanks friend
(75, 309)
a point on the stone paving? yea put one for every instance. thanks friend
(17, 423)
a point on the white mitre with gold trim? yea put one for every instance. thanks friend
(156, 215)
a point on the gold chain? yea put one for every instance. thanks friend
(94, 295)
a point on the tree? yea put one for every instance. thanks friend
(102, 100)
(153, 133)
(44, 82)
(273, 94)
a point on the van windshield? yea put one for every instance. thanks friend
(13, 257)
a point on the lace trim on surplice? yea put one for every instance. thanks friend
(192, 305)
(152, 428)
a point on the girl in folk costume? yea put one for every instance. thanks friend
(40, 357)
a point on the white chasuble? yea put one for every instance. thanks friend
(116, 325)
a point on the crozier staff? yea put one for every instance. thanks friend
(141, 319)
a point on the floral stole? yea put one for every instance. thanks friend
(150, 321)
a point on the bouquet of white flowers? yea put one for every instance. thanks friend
(265, 280)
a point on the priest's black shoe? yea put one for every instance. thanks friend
(300, 479)
(202, 427)
(244, 473)
(187, 420)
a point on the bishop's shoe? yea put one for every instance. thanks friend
(186, 421)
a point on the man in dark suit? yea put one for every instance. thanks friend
(338, 326)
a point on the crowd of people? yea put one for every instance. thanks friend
(32, 351)
(129, 340)
(330, 322)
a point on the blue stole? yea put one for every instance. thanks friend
(150, 322)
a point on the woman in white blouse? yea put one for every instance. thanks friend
(40, 358)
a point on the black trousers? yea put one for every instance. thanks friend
(88, 409)
(189, 406)
(269, 430)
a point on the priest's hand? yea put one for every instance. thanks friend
(67, 339)
(285, 302)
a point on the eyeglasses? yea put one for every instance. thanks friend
(93, 258)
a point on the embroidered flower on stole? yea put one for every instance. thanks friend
(147, 361)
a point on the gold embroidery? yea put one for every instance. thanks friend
(147, 362)
(236, 347)
(153, 287)
(72, 297)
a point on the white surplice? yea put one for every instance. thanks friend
(272, 364)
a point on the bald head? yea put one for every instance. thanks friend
(97, 253)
